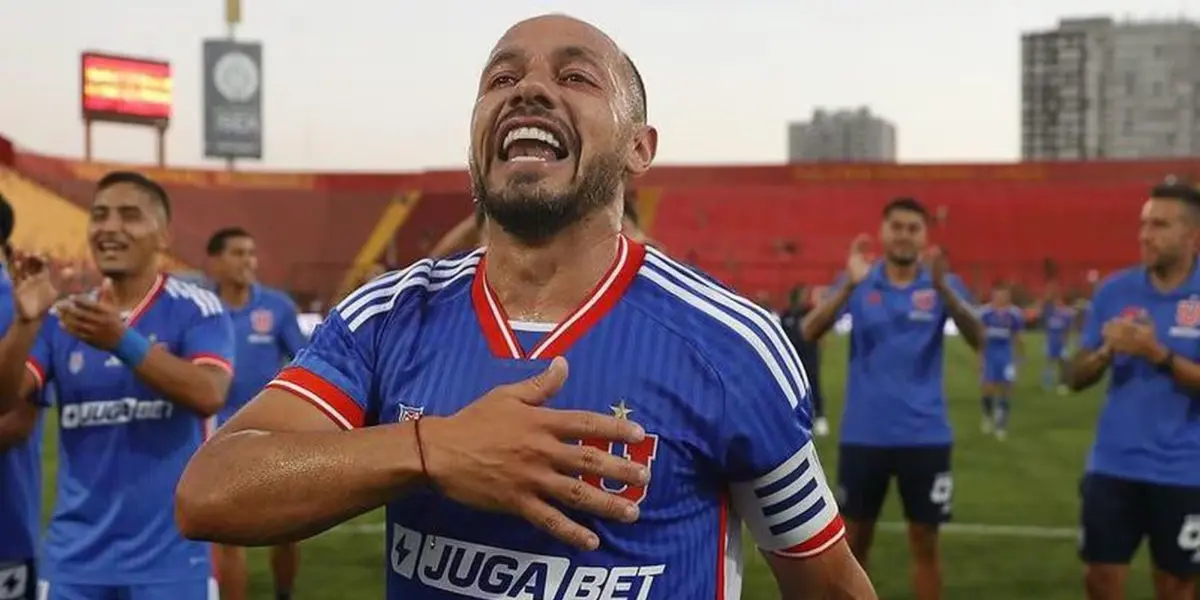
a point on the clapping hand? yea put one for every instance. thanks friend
(33, 291)
(95, 321)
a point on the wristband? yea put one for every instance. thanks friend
(132, 349)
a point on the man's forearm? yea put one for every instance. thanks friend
(182, 382)
(254, 488)
(1184, 371)
(825, 315)
(1087, 367)
(969, 325)
(14, 351)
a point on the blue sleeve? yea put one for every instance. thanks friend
(209, 339)
(765, 445)
(41, 357)
(1018, 319)
(291, 339)
(336, 371)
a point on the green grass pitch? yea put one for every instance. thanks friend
(1014, 503)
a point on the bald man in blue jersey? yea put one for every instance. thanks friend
(1142, 479)
(895, 422)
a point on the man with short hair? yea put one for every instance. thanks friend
(405, 390)
(20, 460)
(267, 335)
(1143, 474)
(139, 368)
(1002, 323)
(1058, 319)
(895, 422)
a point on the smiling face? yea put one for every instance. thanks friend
(126, 230)
(555, 127)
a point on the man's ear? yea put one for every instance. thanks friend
(642, 150)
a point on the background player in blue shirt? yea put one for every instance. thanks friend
(559, 125)
(20, 460)
(268, 335)
(895, 422)
(1002, 323)
(1058, 320)
(138, 370)
(1143, 473)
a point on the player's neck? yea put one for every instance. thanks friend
(234, 295)
(130, 290)
(548, 281)
(900, 274)
(1171, 277)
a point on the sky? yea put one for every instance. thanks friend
(388, 85)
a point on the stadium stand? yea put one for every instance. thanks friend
(759, 228)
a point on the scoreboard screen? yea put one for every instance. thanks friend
(125, 89)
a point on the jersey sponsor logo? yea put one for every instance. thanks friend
(642, 453)
(481, 571)
(102, 413)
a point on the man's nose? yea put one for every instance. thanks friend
(534, 89)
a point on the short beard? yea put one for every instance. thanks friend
(531, 215)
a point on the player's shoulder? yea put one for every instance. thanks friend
(1121, 281)
(407, 291)
(275, 298)
(189, 296)
(731, 331)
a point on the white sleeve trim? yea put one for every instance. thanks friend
(791, 507)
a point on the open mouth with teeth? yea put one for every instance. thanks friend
(532, 144)
(108, 247)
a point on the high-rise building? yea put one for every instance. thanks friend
(1097, 88)
(842, 136)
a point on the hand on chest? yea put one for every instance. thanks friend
(665, 450)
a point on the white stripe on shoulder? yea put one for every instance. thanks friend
(208, 302)
(381, 295)
(790, 378)
(767, 322)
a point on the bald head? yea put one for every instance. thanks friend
(629, 77)
(559, 124)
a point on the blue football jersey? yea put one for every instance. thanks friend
(1057, 320)
(1000, 329)
(1149, 428)
(894, 387)
(710, 375)
(20, 472)
(268, 335)
(123, 447)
